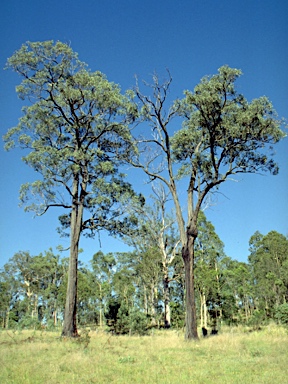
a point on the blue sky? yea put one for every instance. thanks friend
(127, 38)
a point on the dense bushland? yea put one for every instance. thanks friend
(123, 292)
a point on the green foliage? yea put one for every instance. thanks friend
(131, 321)
(32, 288)
(177, 314)
(127, 359)
(281, 313)
(222, 134)
(257, 319)
(122, 323)
(138, 322)
(76, 133)
(28, 322)
(76, 129)
(209, 252)
(237, 291)
(84, 338)
(222, 129)
(269, 262)
(123, 320)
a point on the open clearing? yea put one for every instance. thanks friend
(233, 356)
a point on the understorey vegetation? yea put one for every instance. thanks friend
(123, 293)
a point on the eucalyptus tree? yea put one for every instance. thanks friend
(237, 291)
(125, 280)
(103, 266)
(86, 309)
(223, 134)
(157, 231)
(33, 281)
(269, 263)
(8, 294)
(209, 252)
(75, 131)
(54, 273)
(144, 268)
(26, 272)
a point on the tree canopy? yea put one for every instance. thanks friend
(222, 134)
(76, 131)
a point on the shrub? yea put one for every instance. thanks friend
(131, 321)
(29, 322)
(281, 314)
(177, 315)
(123, 320)
(138, 322)
(257, 319)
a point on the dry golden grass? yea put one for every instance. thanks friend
(233, 356)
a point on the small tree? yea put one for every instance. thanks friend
(269, 264)
(76, 133)
(237, 291)
(209, 251)
(8, 294)
(222, 135)
(102, 266)
(156, 235)
(281, 313)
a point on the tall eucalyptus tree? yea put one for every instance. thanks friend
(75, 131)
(223, 134)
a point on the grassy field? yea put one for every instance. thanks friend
(233, 356)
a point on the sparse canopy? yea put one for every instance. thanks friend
(222, 134)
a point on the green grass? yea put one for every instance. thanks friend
(233, 356)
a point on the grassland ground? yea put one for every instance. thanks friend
(233, 356)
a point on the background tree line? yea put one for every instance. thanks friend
(134, 291)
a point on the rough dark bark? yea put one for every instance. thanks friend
(188, 258)
(70, 319)
(70, 325)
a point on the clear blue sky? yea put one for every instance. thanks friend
(128, 37)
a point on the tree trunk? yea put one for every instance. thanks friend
(203, 311)
(7, 313)
(191, 319)
(101, 323)
(35, 309)
(152, 301)
(70, 326)
(167, 312)
(55, 317)
(70, 321)
(101, 316)
(145, 298)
